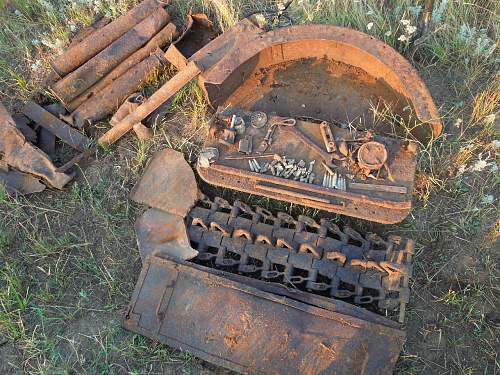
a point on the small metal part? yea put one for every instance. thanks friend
(239, 125)
(330, 170)
(228, 137)
(258, 119)
(326, 133)
(311, 178)
(245, 145)
(311, 166)
(334, 180)
(250, 164)
(324, 180)
(207, 156)
(257, 165)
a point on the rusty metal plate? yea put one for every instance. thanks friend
(251, 331)
(384, 196)
(168, 183)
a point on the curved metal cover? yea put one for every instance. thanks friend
(333, 74)
(250, 331)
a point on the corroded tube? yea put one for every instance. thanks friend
(113, 95)
(92, 71)
(96, 42)
(164, 36)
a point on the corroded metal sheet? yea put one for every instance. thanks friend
(168, 183)
(21, 155)
(251, 331)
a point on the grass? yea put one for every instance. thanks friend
(68, 260)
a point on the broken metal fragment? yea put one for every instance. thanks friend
(162, 232)
(168, 183)
(21, 155)
(22, 124)
(103, 37)
(208, 156)
(16, 182)
(93, 70)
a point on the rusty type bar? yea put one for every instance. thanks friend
(96, 42)
(380, 188)
(57, 127)
(92, 71)
(164, 36)
(164, 93)
(112, 96)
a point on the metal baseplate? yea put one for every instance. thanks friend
(240, 326)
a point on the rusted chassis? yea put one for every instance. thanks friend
(224, 83)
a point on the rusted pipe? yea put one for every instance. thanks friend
(164, 93)
(164, 36)
(92, 71)
(96, 42)
(112, 96)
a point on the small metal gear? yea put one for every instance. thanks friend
(258, 120)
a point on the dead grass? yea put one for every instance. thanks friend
(68, 260)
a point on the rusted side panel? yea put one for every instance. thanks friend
(251, 331)
(20, 183)
(88, 74)
(96, 42)
(112, 96)
(163, 37)
(21, 155)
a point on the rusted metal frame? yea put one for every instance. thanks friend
(170, 88)
(96, 68)
(232, 331)
(21, 155)
(354, 48)
(359, 198)
(105, 102)
(163, 37)
(57, 127)
(99, 40)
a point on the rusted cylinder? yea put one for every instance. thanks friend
(113, 95)
(96, 42)
(93, 70)
(164, 36)
(164, 93)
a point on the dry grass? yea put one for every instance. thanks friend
(68, 260)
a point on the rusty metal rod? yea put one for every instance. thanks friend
(381, 188)
(96, 68)
(97, 41)
(112, 96)
(57, 127)
(164, 93)
(163, 37)
(295, 194)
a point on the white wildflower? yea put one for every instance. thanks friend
(495, 144)
(479, 165)
(490, 119)
(369, 26)
(405, 22)
(410, 29)
(388, 33)
(458, 122)
(487, 199)
(36, 65)
(402, 38)
(370, 13)
(461, 170)
(18, 13)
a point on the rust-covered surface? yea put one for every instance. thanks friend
(163, 37)
(94, 43)
(245, 329)
(20, 155)
(328, 72)
(96, 68)
(381, 191)
(168, 183)
(107, 101)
